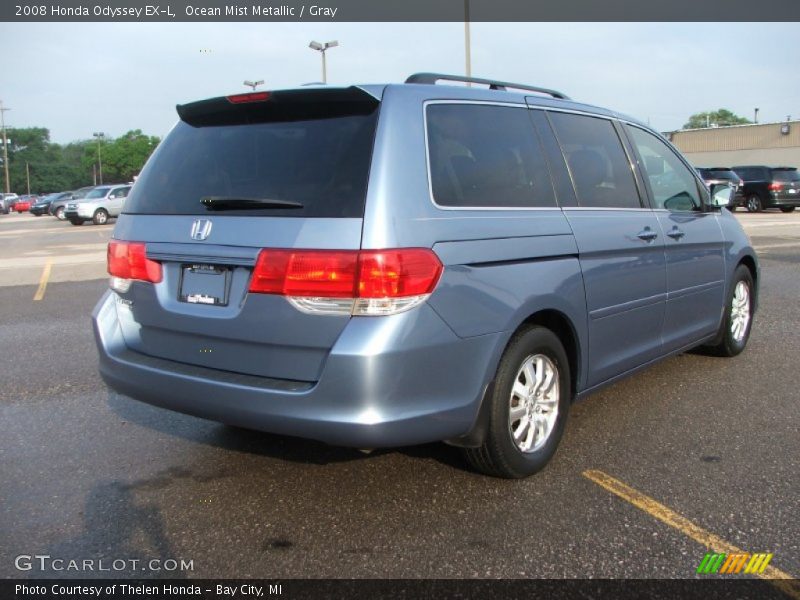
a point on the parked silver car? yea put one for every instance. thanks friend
(99, 205)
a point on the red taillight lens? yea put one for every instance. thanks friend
(397, 273)
(251, 97)
(774, 187)
(128, 260)
(346, 273)
(320, 273)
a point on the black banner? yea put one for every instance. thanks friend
(400, 10)
(439, 589)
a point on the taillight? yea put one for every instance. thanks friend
(366, 282)
(774, 187)
(321, 273)
(128, 261)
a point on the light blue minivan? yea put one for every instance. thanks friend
(385, 265)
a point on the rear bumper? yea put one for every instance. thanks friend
(784, 200)
(388, 381)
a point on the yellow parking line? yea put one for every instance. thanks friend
(783, 581)
(43, 281)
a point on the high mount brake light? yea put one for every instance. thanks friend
(249, 97)
(366, 282)
(128, 261)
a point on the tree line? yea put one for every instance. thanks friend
(57, 167)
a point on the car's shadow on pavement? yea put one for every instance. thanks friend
(238, 439)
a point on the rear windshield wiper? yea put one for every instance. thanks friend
(234, 203)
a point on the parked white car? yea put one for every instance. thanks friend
(6, 202)
(99, 205)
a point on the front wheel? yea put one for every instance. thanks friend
(529, 406)
(76, 221)
(59, 214)
(738, 318)
(100, 217)
(787, 209)
(753, 203)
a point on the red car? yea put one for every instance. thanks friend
(23, 204)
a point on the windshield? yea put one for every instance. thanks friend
(785, 175)
(97, 193)
(319, 163)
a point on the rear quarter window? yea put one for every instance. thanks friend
(486, 156)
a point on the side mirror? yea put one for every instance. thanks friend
(722, 195)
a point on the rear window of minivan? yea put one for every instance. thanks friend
(320, 162)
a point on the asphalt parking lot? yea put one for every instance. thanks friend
(86, 474)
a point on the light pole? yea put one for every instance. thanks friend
(99, 135)
(467, 44)
(322, 48)
(253, 84)
(755, 115)
(5, 144)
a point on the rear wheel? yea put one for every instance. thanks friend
(787, 209)
(738, 317)
(753, 203)
(59, 214)
(100, 217)
(529, 406)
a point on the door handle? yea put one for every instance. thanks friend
(647, 234)
(675, 233)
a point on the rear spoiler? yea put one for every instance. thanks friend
(282, 105)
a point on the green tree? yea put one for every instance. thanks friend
(126, 155)
(718, 118)
(54, 167)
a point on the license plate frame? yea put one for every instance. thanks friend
(205, 284)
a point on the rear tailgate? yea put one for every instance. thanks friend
(286, 170)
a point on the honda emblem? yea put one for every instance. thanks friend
(201, 229)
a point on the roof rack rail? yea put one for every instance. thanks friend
(432, 78)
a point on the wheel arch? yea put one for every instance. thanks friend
(750, 262)
(562, 326)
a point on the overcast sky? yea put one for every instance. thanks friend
(76, 78)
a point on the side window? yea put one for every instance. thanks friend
(672, 183)
(123, 192)
(486, 156)
(597, 163)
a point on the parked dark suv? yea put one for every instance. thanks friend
(384, 265)
(716, 175)
(770, 187)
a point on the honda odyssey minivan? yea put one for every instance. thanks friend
(385, 265)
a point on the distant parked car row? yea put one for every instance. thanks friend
(757, 186)
(97, 203)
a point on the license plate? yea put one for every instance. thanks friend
(205, 284)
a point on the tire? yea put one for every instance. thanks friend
(100, 217)
(76, 221)
(732, 342)
(787, 209)
(753, 203)
(500, 455)
(59, 214)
